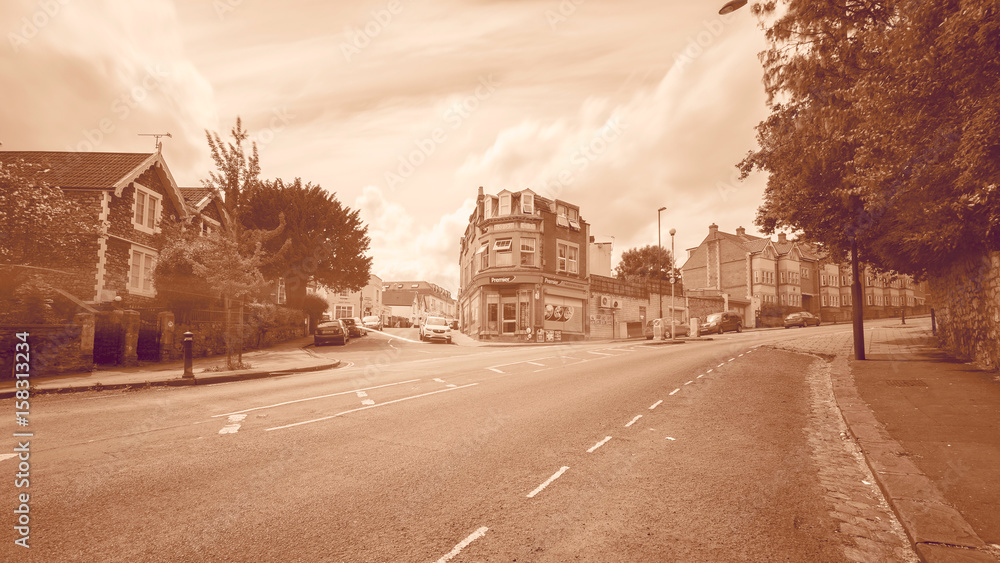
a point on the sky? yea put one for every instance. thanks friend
(404, 108)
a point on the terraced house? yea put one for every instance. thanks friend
(760, 277)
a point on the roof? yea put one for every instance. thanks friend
(398, 298)
(194, 195)
(81, 169)
(96, 170)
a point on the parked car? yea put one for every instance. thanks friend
(435, 328)
(453, 323)
(354, 326)
(717, 323)
(680, 328)
(331, 331)
(802, 319)
(373, 322)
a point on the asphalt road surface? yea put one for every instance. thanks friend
(709, 451)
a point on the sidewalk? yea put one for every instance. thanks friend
(929, 427)
(289, 357)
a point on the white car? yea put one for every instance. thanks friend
(435, 328)
(372, 322)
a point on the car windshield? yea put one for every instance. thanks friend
(714, 317)
(328, 323)
(347, 321)
(436, 321)
(371, 319)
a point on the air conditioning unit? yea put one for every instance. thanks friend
(616, 303)
(606, 301)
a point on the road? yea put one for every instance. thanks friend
(721, 450)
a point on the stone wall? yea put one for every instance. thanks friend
(52, 349)
(966, 301)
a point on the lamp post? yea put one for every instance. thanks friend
(673, 280)
(659, 245)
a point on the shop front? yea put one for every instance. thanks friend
(532, 308)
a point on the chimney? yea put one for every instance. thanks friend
(480, 191)
(713, 228)
(591, 239)
(740, 231)
(782, 237)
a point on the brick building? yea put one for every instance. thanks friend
(524, 269)
(754, 274)
(128, 194)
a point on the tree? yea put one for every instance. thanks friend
(39, 224)
(314, 306)
(324, 240)
(237, 172)
(881, 139)
(647, 263)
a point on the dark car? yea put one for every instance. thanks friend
(354, 327)
(331, 331)
(802, 319)
(717, 323)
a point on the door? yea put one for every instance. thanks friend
(509, 315)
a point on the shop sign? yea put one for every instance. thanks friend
(551, 281)
(507, 279)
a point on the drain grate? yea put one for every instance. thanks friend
(906, 382)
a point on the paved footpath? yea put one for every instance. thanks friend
(929, 429)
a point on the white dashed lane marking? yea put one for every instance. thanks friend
(463, 544)
(535, 364)
(312, 398)
(599, 353)
(494, 369)
(675, 391)
(671, 439)
(7, 456)
(656, 404)
(631, 422)
(547, 482)
(599, 444)
(689, 382)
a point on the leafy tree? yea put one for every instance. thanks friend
(39, 224)
(237, 171)
(647, 263)
(324, 241)
(881, 140)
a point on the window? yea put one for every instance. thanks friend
(487, 208)
(146, 209)
(141, 272)
(528, 204)
(484, 252)
(504, 253)
(805, 273)
(505, 204)
(343, 311)
(574, 218)
(871, 300)
(344, 293)
(527, 252)
(756, 276)
(561, 216)
(568, 258)
(573, 260)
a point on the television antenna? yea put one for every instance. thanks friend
(159, 145)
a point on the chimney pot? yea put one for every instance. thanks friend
(740, 231)
(782, 237)
(713, 228)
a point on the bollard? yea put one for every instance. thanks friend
(933, 323)
(903, 314)
(188, 343)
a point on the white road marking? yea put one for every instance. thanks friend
(368, 407)
(368, 402)
(671, 439)
(234, 424)
(674, 391)
(547, 482)
(689, 382)
(740, 356)
(656, 404)
(599, 444)
(731, 359)
(628, 350)
(312, 398)
(700, 376)
(463, 544)
(631, 422)
(451, 385)
(535, 363)
(7, 456)
(599, 353)
(362, 394)
(708, 371)
(494, 369)
(439, 380)
(720, 365)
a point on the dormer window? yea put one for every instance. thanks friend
(505, 205)
(574, 218)
(528, 204)
(488, 208)
(562, 216)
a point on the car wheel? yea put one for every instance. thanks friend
(739, 327)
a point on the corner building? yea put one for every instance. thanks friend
(524, 269)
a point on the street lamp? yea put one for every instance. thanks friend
(659, 245)
(673, 281)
